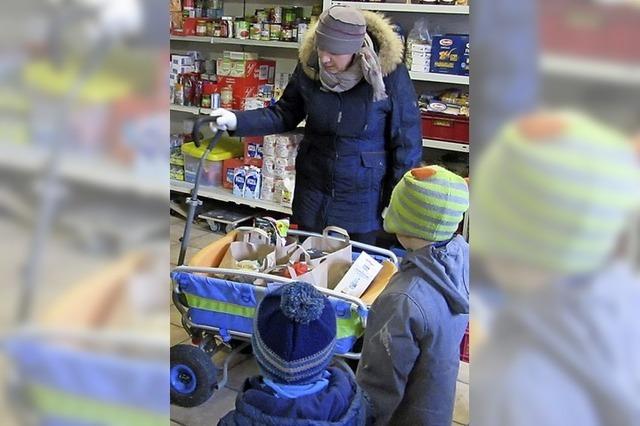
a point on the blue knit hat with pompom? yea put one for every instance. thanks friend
(294, 334)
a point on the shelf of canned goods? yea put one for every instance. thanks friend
(237, 41)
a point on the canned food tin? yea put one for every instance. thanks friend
(215, 100)
(226, 97)
(275, 31)
(264, 33)
(242, 30)
(255, 31)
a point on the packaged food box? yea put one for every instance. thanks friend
(230, 54)
(449, 54)
(259, 69)
(253, 151)
(179, 60)
(228, 170)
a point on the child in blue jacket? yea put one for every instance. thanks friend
(411, 348)
(293, 340)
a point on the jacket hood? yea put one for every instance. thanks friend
(389, 47)
(445, 266)
(340, 403)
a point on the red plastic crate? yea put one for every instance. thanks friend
(464, 346)
(445, 127)
(585, 29)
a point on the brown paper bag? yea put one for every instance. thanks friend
(240, 251)
(338, 253)
(318, 273)
(285, 248)
(252, 235)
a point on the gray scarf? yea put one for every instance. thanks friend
(365, 64)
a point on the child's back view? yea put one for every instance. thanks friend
(294, 337)
(411, 349)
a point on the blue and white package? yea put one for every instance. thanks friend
(450, 54)
(239, 181)
(252, 183)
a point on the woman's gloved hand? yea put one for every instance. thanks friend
(226, 120)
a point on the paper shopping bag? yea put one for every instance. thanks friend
(285, 246)
(336, 253)
(317, 273)
(252, 235)
(255, 257)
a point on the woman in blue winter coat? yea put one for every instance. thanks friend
(294, 337)
(362, 129)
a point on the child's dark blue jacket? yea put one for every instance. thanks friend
(340, 403)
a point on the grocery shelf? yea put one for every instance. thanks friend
(236, 41)
(448, 146)
(592, 69)
(439, 78)
(205, 111)
(407, 7)
(190, 109)
(222, 194)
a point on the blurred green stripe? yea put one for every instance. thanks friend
(55, 403)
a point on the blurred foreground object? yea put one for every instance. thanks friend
(83, 192)
(553, 201)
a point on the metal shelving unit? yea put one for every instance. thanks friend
(103, 173)
(439, 78)
(448, 146)
(236, 41)
(223, 194)
(407, 7)
(189, 109)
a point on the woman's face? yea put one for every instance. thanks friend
(334, 63)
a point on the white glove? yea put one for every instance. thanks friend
(226, 120)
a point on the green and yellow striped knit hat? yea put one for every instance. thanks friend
(556, 199)
(428, 203)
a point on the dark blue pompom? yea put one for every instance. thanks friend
(301, 302)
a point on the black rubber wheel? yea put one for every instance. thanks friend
(193, 377)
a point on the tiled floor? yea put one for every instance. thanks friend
(223, 400)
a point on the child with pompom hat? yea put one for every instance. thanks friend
(294, 337)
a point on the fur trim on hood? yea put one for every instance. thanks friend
(389, 46)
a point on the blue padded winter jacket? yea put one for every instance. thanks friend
(354, 150)
(340, 403)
